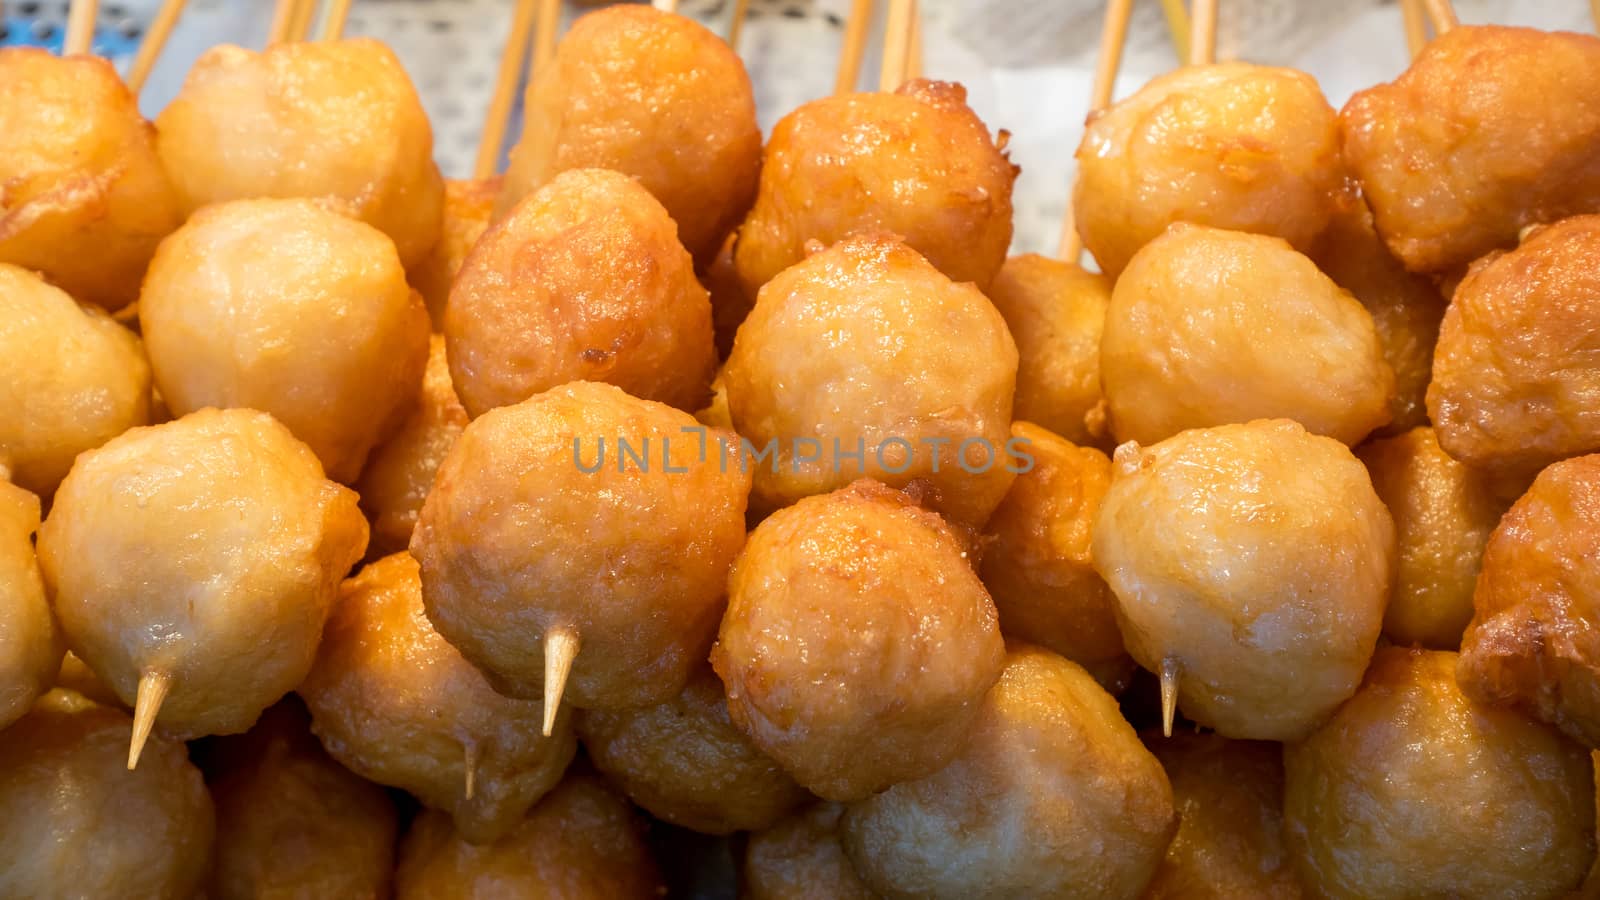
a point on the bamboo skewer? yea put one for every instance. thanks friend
(282, 21)
(1416, 19)
(546, 31)
(1443, 15)
(305, 12)
(668, 6)
(155, 40)
(896, 44)
(1594, 11)
(1203, 33)
(741, 11)
(338, 14)
(505, 87)
(854, 47)
(1177, 26)
(81, 17)
(914, 60)
(1113, 36)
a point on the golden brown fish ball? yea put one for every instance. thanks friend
(1534, 639)
(74, 822)
(582, 527)
(1230, 841)
(1209, 327)
(1231, 145)
(800, 858)
(684, 762)
(1038, 567)
(468, 206)
(652, 95)
(293, 823)
(1053, 796)
(399, 473)
(584, 280)
(334, 119)
(1251, 564)
(1491, 129)
(916, 163)
(582, 842)
(192, 566)
(86, 199)
(1405, 308)
(1056, 313)
(858, 641)
(30, 645)
(290, 308)
(396, 704)
(1517, 368)
(71, 379)
(1412, 790)
(866, 361)
(1443, 513)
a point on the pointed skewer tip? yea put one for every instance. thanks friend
(153, 687)
(560, 648)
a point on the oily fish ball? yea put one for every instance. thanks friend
(1251, 565)
(333, 119)
(86, 199)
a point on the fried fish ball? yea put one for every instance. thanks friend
(1534, 638)
(582, 842)
(293, 823)
(1230, 840)
(1517, 368)
(1053, 796)
(71, 379)
(685, 763)
(396, 704)
(917, 163)
(399, 473)
(1491, 129)
(1405, 308)
(1231, 145)
(86, 199)
(866, 361)
(800, 858)
(468, 206)
(30, 645)
(1056, 313)
(858, 642)
(652, 95)
(192, 566)
(1038, 567)
(1443, 513)
(1253, 562)
(75, 823)
(335, 119)
(290, 308)
(584, 527)
(584, 280)
(1412, 790)
(1209, 327)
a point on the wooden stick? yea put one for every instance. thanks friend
(1170, 669)
(667, 6)
(741, 11)
(1594, 10)
(914, 45)
(896, 44)
(854, 47)
(1203, 32)
(338, 14)
(153, 687)
(546, 34)
(1113, 36)
(304, 13)
(282, 21)
(1443, 15)
(81, 16)
(1416, 21)
(154, 41)
(505, 88)
(1177, 27)
(470, 765)
(560, 649)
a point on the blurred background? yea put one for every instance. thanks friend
(1026, 63)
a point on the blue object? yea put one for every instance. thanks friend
(48, 33)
